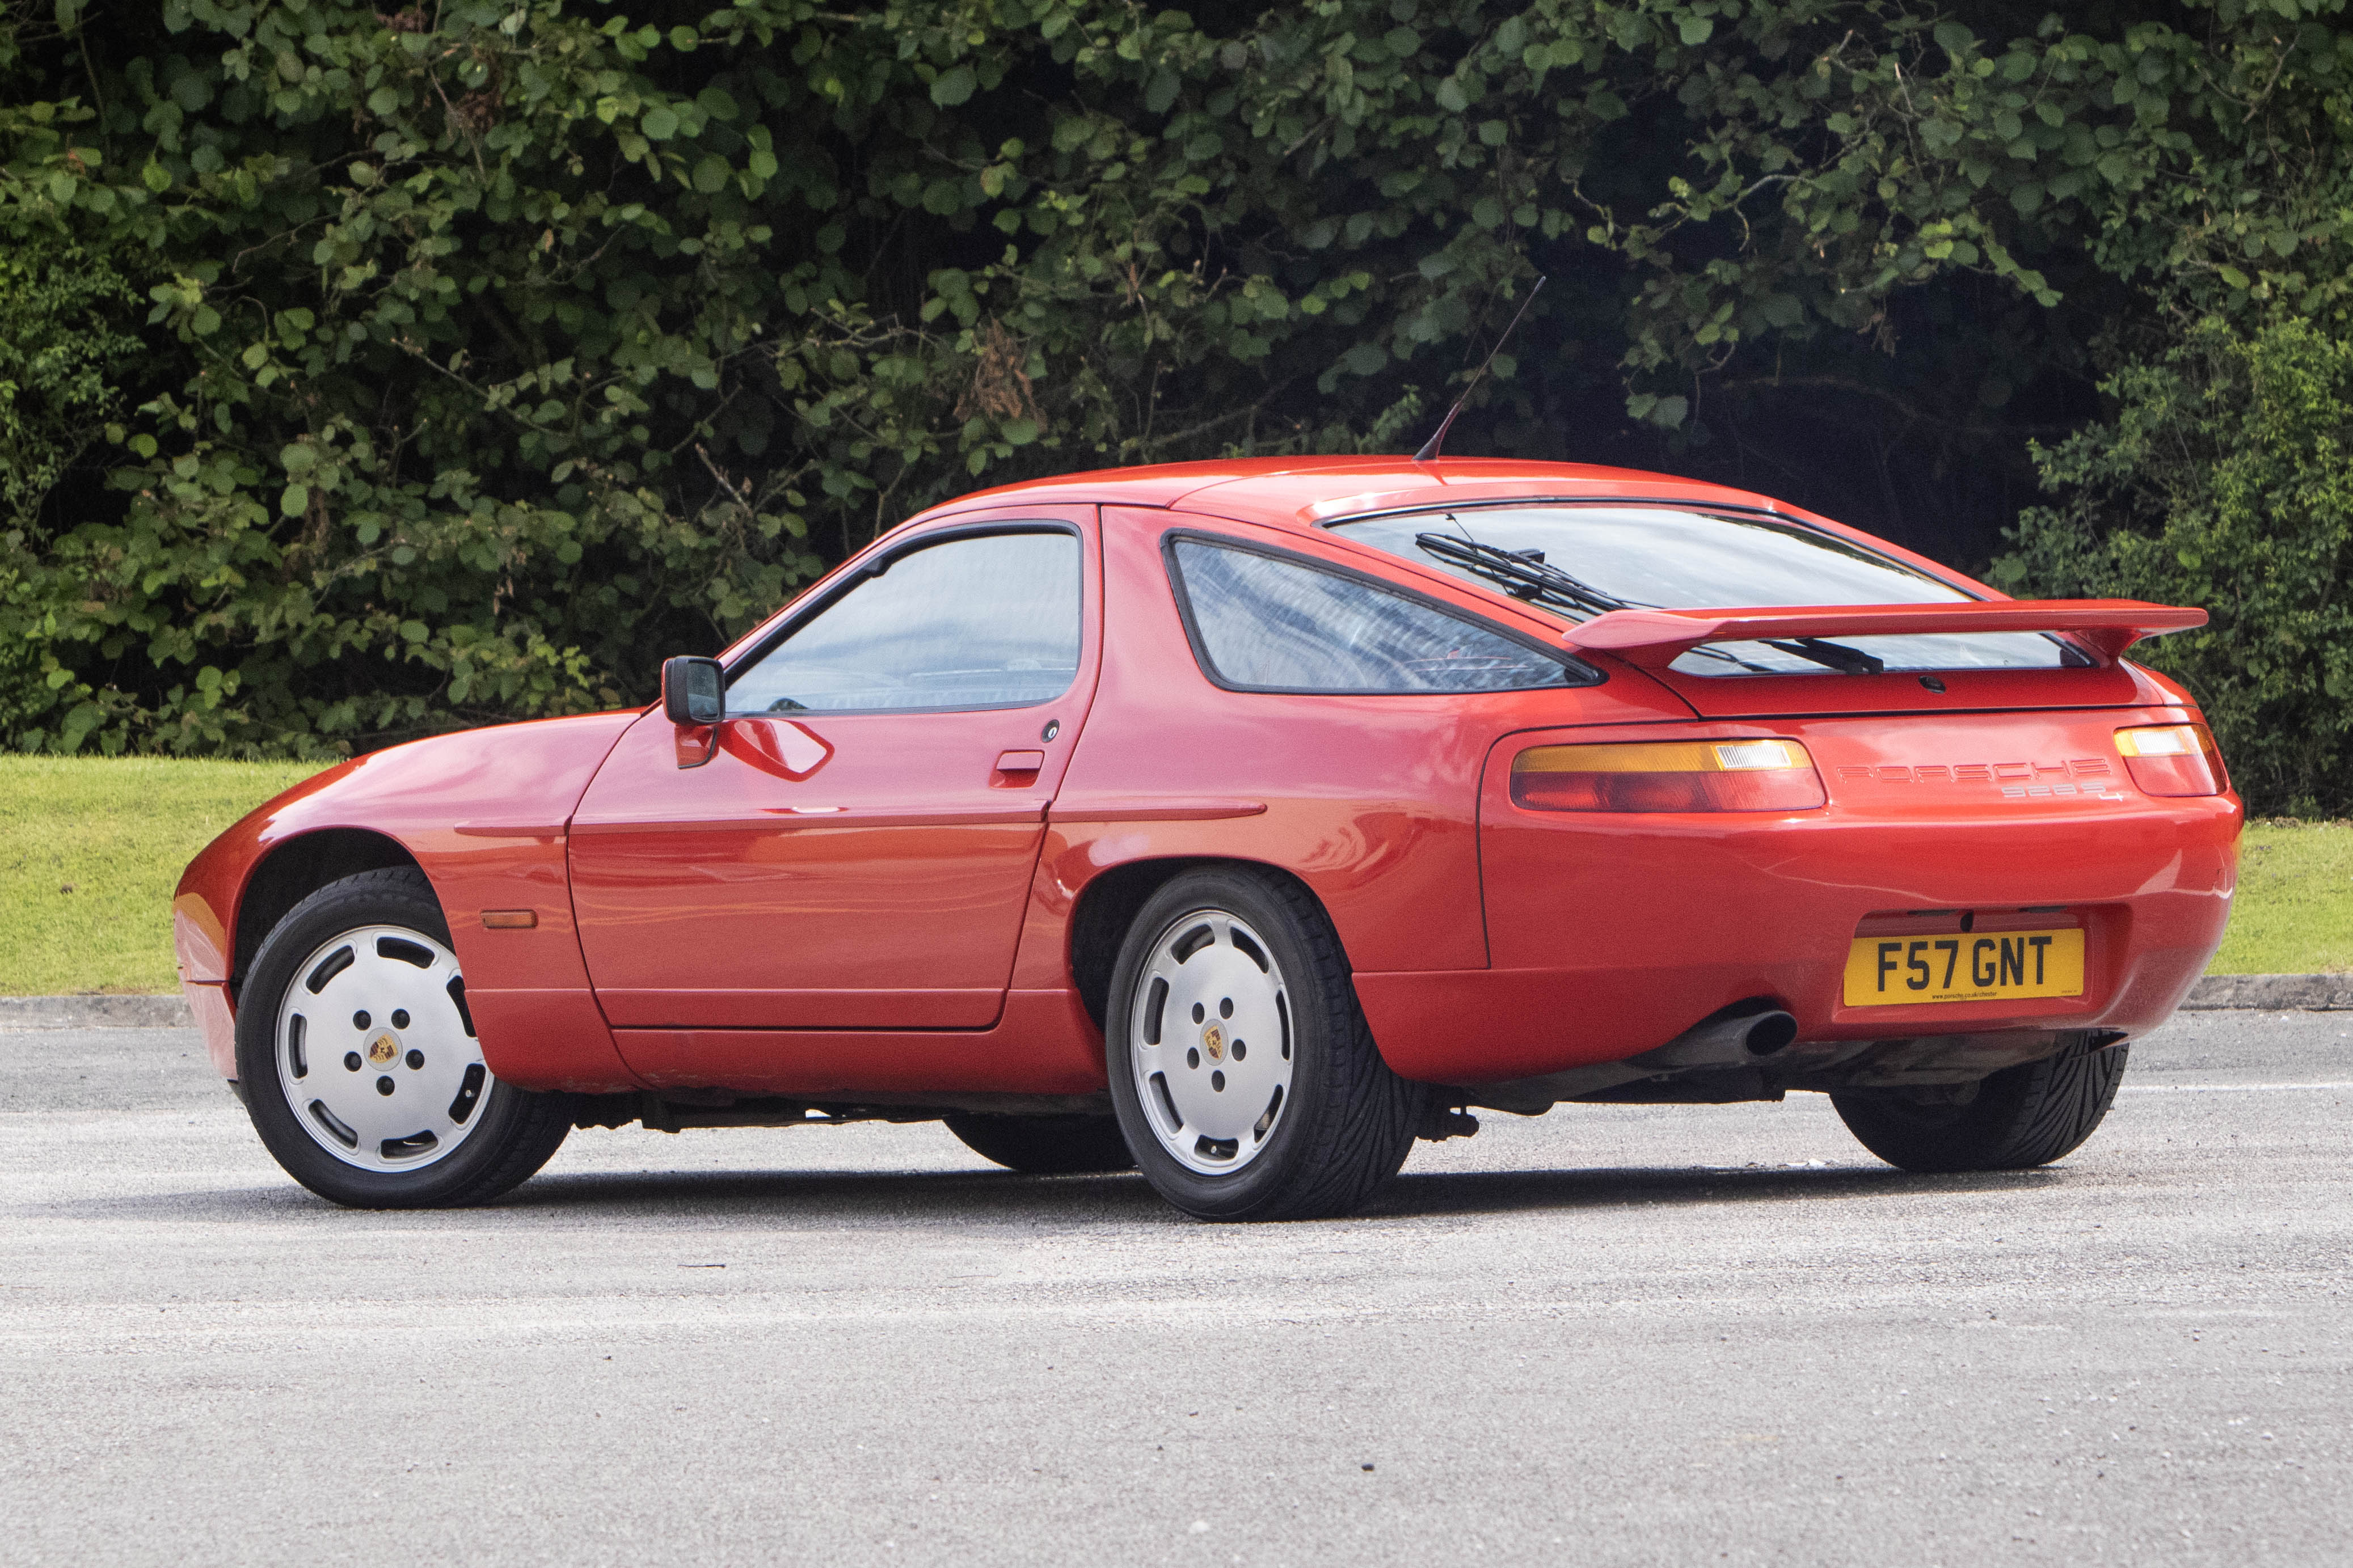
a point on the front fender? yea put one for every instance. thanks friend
(484, 813)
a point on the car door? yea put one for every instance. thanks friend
(852, 846)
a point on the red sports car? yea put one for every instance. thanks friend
(1244, 822)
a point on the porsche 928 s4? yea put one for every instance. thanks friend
(1242, 822)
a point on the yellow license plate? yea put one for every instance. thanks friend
(1994, 966)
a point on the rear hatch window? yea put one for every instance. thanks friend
(1576, 561)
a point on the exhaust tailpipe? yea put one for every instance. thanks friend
(1725, 1042)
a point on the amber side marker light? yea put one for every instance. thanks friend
(2173, 760)
(1675, 775)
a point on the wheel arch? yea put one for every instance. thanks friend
(293, 870)
(1111, 900)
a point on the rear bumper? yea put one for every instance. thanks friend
(1611, 935)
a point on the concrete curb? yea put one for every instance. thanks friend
(96, 1012)
(2264, 992)
(2274, 993)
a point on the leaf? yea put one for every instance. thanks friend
(659, 123)
(1695, 30)
(953, 86)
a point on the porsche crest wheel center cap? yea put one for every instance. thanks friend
(382, 1049)
(1213, 1043)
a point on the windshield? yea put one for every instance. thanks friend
(1579, 561)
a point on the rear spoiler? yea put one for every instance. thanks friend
(1655, 638)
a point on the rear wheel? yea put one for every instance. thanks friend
(1045, 1145)
(2021, 1118)
(1241, 1068)
(358, 1059)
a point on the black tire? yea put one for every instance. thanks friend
(2023, 1116)
(510, 1133)
(1347, 1121)
(1045, 1145)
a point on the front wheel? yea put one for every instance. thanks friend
(1241, 1068)
(359, 1063)
(2020, 1118)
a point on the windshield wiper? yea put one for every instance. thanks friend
(1750, 664)
(1521, 575)
(1838, 655)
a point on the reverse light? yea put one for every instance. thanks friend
(1675, 775)
(2173, 760)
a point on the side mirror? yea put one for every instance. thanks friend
(694, 691)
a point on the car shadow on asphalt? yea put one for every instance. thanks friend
(990, 1197)
(1003, 1195)
(1498, 1191)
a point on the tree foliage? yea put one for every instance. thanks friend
(431, 366)
(2226, 480)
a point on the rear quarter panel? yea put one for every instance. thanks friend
(1372, 802)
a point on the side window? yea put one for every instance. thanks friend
(1267, 624)
(987, 622)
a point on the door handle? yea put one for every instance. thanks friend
(1018, 768)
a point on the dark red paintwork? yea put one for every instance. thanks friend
(877, 902)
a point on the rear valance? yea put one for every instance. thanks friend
(1655, 638)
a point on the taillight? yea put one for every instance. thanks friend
(1675, 775)
(2173, 760)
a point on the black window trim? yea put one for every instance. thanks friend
(1579, 673)
(880, 562)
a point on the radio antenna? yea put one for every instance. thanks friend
(1428, 452)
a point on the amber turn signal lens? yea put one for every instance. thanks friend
(1676, 775)
(2173, 760)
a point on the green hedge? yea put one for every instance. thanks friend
(368, 373)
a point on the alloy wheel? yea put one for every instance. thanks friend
(376, 1051)
(1212, 1042)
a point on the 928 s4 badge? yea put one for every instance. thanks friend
(2088, 777)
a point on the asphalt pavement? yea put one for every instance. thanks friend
(1613, 1334)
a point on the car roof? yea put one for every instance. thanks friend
(1304, 492)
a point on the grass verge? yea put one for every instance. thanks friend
(2295, 908)
(94, 846)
